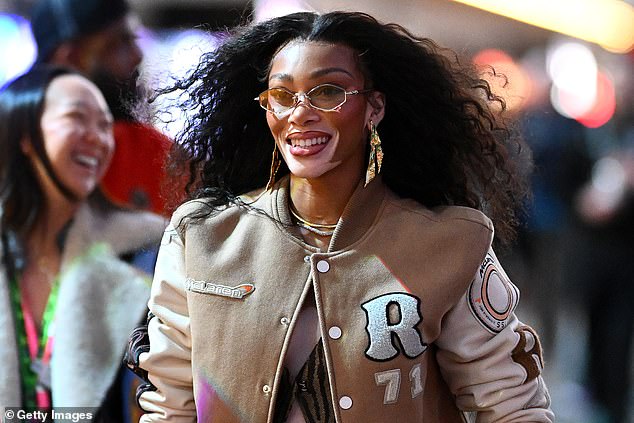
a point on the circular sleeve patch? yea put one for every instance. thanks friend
(492, 297)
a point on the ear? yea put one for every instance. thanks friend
(376, 109)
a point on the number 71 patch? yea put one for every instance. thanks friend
(391, 379)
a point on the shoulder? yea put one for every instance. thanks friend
(188, 210)
(446, 215)
(124, 230)
(200, 213)
(141, 223)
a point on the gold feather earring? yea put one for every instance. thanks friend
(376, 155)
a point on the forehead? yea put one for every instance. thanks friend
(311, 59)
(74, 90)
(121, 28)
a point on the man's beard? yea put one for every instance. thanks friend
(122, 96)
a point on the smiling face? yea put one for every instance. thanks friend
(77, 134)
(315, 143)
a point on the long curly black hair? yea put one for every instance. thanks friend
(443, 142)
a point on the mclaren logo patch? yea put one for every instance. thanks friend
(204, 287)
(492, 297)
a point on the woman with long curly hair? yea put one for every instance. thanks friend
(334, 263)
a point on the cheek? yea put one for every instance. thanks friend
(119, 65)
(110, 153)
(55, 140)
(88, 62)
(352, 131)
(276, 126)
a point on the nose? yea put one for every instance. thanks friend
(128, 53)
(136, 55)
(130, 57)
(302, 98)
(100, 134)
(303, 112)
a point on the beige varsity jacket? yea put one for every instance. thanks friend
(415, 312)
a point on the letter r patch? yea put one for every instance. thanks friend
(392, 321)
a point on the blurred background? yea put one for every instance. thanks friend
(565, 70)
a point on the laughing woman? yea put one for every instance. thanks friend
(351, 278)
(67, 301)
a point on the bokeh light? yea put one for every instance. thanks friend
(17, 47)
(507, 78)
(580, 89)
(604, 106)
(573, 70)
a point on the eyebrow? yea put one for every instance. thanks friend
(314, 74)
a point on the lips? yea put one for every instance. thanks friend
(307, 144)
(87, 161)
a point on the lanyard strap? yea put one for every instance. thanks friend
(34, 351)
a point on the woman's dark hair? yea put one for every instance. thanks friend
(442, 142)
(21, 108)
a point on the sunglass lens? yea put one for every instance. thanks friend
(279, 100)
(327, 96)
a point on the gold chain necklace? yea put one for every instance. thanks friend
(322, 229)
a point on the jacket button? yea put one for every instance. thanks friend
(334, 332)
(345, 402)
(284, 321)
(307, 259)
(323, 266)
(266, 389)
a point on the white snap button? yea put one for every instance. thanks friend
(285, 321)
(334, 332)
(323, 266)
(266, 389)
(307, 259)
(345, 402)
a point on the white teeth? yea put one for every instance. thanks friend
(87, 160)
(308, 142)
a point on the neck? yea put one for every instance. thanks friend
(319, 201)
(49, 225)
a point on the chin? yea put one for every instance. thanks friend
(307, 172)
(83, 192)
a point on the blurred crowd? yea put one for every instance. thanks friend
(573, 262)
(81, 212)
(573, 259)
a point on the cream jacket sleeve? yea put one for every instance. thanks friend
(490, 360)
(168, 361)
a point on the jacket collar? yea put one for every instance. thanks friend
(123, 230)
(357, 218)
